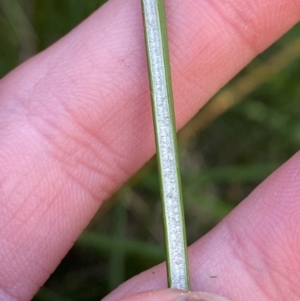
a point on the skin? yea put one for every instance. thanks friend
(75, 123)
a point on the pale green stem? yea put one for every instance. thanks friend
(166, 142)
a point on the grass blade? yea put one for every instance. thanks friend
(166, 142)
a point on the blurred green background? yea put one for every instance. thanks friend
(245, 132)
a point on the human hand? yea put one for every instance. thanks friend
(75, 123)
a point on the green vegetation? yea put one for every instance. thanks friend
(244, 133)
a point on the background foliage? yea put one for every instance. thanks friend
(245, 132)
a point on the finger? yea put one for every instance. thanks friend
(174, 295)
(76, 119)
(253, 254)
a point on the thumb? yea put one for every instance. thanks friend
(174, 295)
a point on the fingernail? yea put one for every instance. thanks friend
(200, 296)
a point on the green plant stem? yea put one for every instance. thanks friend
(166, 142)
